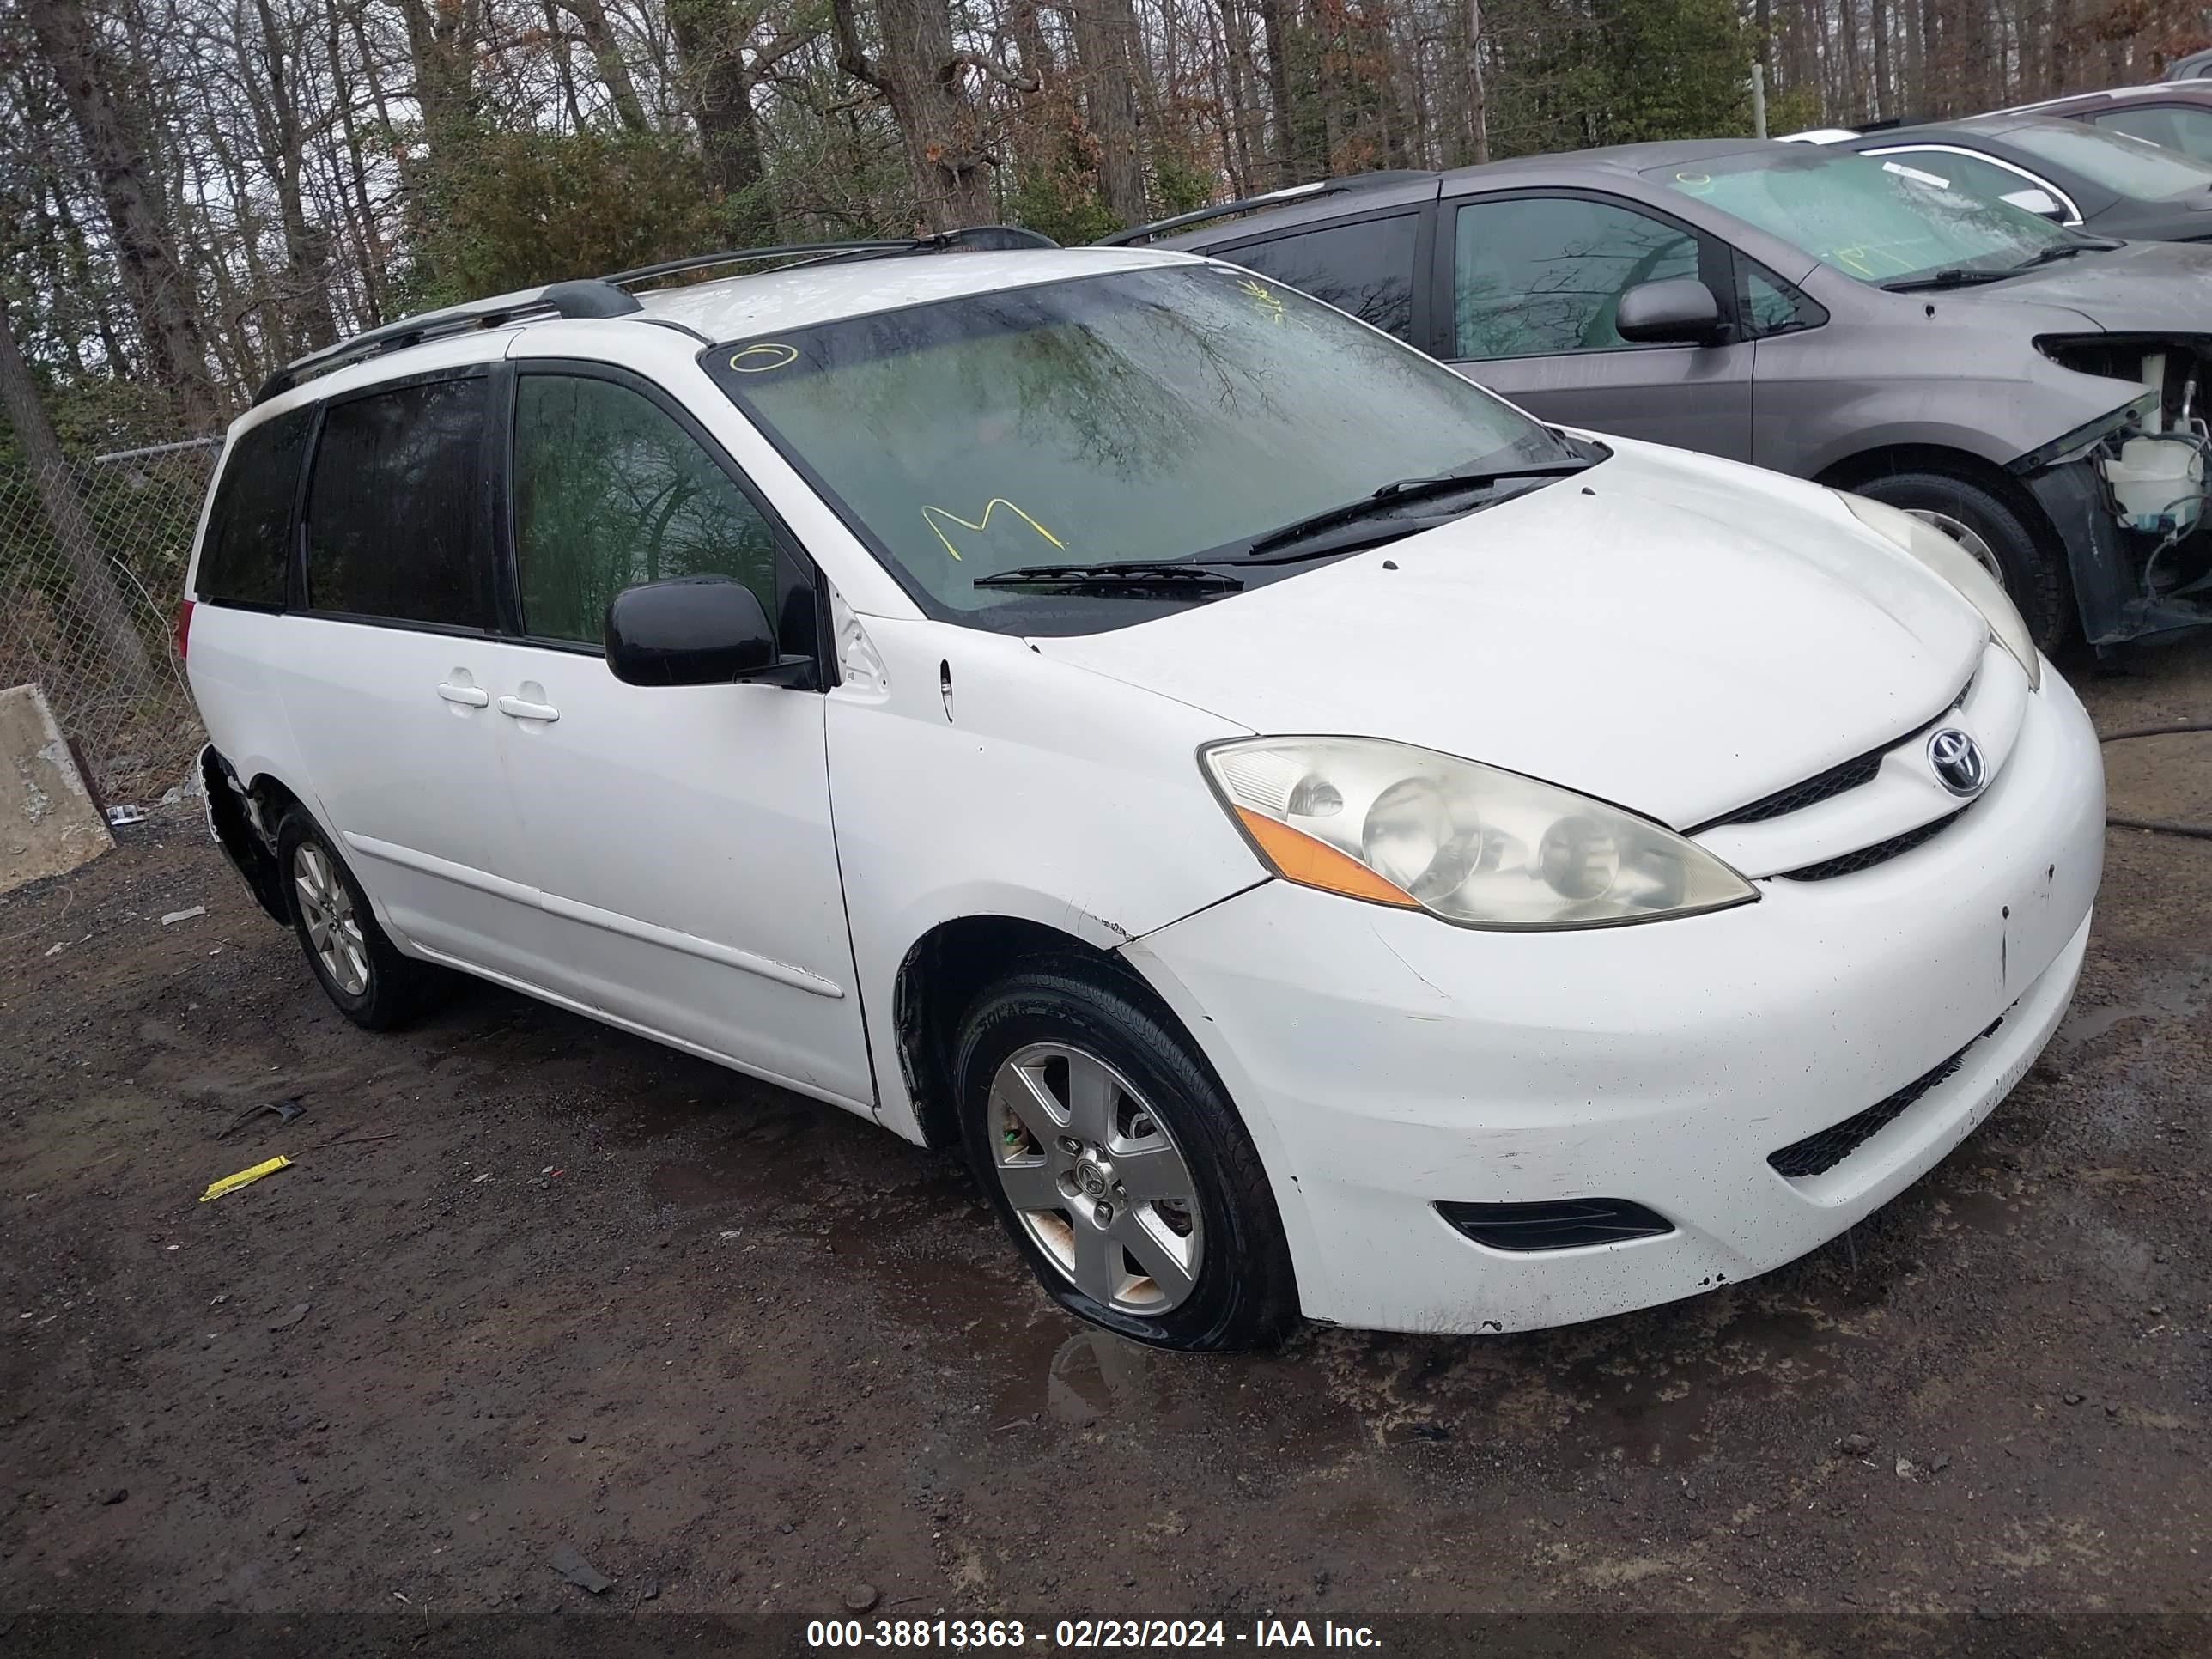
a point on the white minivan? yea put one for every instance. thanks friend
(1322, 841)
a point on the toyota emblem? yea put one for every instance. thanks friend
(1956, 760)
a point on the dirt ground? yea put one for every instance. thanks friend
(531, 1283)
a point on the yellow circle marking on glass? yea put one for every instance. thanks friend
(766, 356)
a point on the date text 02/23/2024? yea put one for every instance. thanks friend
(1077, 1634)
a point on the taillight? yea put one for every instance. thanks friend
(184, 633)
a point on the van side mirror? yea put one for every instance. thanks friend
(696, 630)
(1679, 311)
(2038, 201)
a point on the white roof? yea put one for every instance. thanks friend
(799, 296)
(733, 307)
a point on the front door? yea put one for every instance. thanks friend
(678, 836)
(1534, 283)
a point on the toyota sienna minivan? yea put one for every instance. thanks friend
(1322, 841)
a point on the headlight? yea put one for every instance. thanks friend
(1957, 567)
(1394, 824)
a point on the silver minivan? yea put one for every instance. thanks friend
(2034, 391)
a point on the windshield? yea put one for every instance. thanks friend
(1879, 222)
(2133, 167)
(1141, 415)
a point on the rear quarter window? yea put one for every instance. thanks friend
(245, 553)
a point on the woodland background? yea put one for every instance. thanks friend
(195, 191)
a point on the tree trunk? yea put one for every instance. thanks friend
(607, 55)
(1279, 91)
(167, 317)
(1478, 96)
(923, 80)
(307, 296)
(1103, 48)
(712, 49)
(94, 590)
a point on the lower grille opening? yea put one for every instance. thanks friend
(1563, 1225)
(1866, 858)
(1818, 1153)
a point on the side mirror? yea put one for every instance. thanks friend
(1679, 311)
(696, 630)
(2038, 201)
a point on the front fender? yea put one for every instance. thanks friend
(1033, 790)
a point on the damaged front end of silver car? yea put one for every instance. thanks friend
(2128, 491)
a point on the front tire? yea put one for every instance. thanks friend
(1999, 535)
(357, 963)
(1118, 1165)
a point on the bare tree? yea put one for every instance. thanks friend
(168, 317)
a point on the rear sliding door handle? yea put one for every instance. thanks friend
(469, 696)
(529, 711)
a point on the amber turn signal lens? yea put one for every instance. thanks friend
(1298, 857)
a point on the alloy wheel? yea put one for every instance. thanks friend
(1096, 1179)
(326, 909)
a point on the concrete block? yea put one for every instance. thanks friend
(49, 822)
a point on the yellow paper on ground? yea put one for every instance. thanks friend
(231, 1183)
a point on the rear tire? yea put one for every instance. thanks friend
(2034, 574)
(357, 963)
(1118, 1165)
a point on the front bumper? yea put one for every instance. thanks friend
(1385, 1061)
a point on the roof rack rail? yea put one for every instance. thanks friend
(604, 297)
(1266, 198)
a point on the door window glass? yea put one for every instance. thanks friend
(247, 548)
(395, 526)
(1536, 275)
(609, 492)
(2185, 128)
(1366, 269)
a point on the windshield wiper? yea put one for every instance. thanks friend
(1951, 277)
(1159, 576)
(2067, 251)
(1385, 502)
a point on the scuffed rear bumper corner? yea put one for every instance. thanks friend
(230, 821)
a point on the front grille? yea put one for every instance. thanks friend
(1562, 1224)
(1818, 1153)
(1821, 787)
(1848, 863)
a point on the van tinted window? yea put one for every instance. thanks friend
(243, 557)
(395, 527)
(1366, 269)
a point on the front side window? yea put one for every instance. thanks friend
(609, 492)
(248, 541)
(1537, 276)
(1871, 221)
(1151, 414)
(1366, 269)
(2185, 128)
(2127, 166)
(1770, 306)
(395, 508)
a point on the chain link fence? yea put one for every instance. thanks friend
(92, 563)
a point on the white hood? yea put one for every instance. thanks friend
(1676, 634)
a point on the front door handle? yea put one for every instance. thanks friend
(529, 711)
(469, 696)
